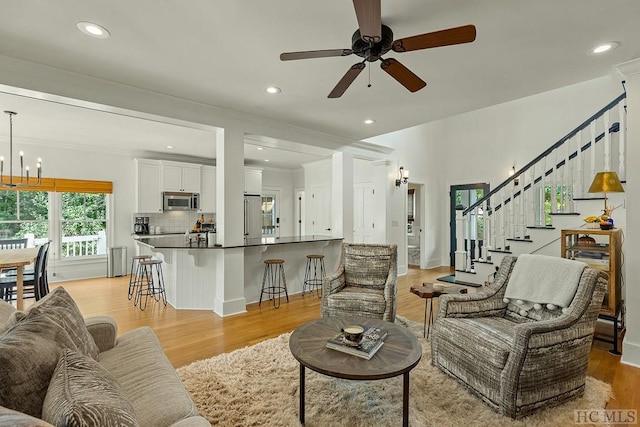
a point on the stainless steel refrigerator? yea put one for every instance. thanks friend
(252, 216)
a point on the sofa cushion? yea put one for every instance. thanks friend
(367, 266)
(357, 299)
(83, 393)
(5, 311)
(62, 309)
(148, 379)
(29, 353)
(13, 418)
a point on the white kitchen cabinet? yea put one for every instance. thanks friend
(148, 192)
(208, 193)
(177, 176)
(252, 181)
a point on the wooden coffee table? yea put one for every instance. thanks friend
(400, 353)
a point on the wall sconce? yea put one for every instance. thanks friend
(512, 172)
(403, 176)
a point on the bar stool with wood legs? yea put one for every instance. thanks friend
(135, 266)
(273, 281)
(313, 275)
(149, 283)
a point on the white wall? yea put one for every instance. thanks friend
(91, 165)
(481, 146)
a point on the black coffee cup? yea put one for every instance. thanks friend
(353, 333)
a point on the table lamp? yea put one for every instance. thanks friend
(606, 182)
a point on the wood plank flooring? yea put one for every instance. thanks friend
(188, 335)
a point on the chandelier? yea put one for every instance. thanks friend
(13, 182)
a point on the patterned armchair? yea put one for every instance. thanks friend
(518, 362)
(365, 283)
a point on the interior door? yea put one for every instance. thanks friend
(363, 213)
(321, 210)
(461, 197)
(270, 213)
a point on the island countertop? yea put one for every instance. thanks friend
(175, 242)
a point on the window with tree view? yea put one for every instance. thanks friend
(84, 224)
(24, 214)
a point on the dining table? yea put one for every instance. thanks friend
(18, 258)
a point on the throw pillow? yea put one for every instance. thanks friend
(83, 393)
(29, 353)
(62, 309)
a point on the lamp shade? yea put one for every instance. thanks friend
(606, 182)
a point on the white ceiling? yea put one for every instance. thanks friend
(225, 53)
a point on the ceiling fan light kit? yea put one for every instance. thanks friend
(373, 39)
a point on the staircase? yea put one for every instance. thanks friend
(525, 213)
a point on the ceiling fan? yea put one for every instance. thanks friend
(373, 39)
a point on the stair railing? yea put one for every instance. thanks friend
(518, 203)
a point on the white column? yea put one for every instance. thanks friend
(229, 280)
(579, 178)
(607, 141)
(622, 171)
(631, 343)
(461, 255)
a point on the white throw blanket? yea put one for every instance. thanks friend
(538, 280)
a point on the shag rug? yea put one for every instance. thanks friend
(259, 386)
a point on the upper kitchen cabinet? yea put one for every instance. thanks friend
(148, 192)
(177, 176)
(252, 181)
(208, 194)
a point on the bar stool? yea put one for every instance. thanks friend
(148, 285)
(313, 275)
(273, 281)
(135, 265)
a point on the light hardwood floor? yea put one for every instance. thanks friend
(188, 335)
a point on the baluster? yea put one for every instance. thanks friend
(476, 249)
(503, 221)
(521, 204)
(592, 127)
(570, 175)
(531, 197)
(622, 170)
(579, 176)
(607, 141)
(467, 233)
(460, 257)
(486, 231)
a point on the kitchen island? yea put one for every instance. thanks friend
(193, 269)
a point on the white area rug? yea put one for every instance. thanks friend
(258, 386)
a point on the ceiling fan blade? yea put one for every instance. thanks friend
(402, 74)
(369, 16)
(451, 36)
(346, 80)
(288, 56)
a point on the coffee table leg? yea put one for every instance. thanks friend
(405, 401)
(301, 394)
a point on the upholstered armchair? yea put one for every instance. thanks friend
(365, 283)
(519, 357)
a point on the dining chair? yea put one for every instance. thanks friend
(35, 284)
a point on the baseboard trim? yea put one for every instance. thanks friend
(630, 353)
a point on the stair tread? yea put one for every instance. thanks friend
(541, 227)
(517, 239)
(500, 251)
(565, 213)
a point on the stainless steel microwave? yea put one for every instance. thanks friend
(175, 201)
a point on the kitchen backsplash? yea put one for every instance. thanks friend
(172, 222)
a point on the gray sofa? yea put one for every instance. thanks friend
(57, 368)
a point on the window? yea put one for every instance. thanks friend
(269, 214)
(24, 214)
(83, 224)
(72, 214)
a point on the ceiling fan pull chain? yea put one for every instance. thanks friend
(369, 85)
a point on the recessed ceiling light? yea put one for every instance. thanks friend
(93, 30)
(273, 89)
(604, 47)
(369, 121)
(266, 160)
(170, 147)
(260, 148)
